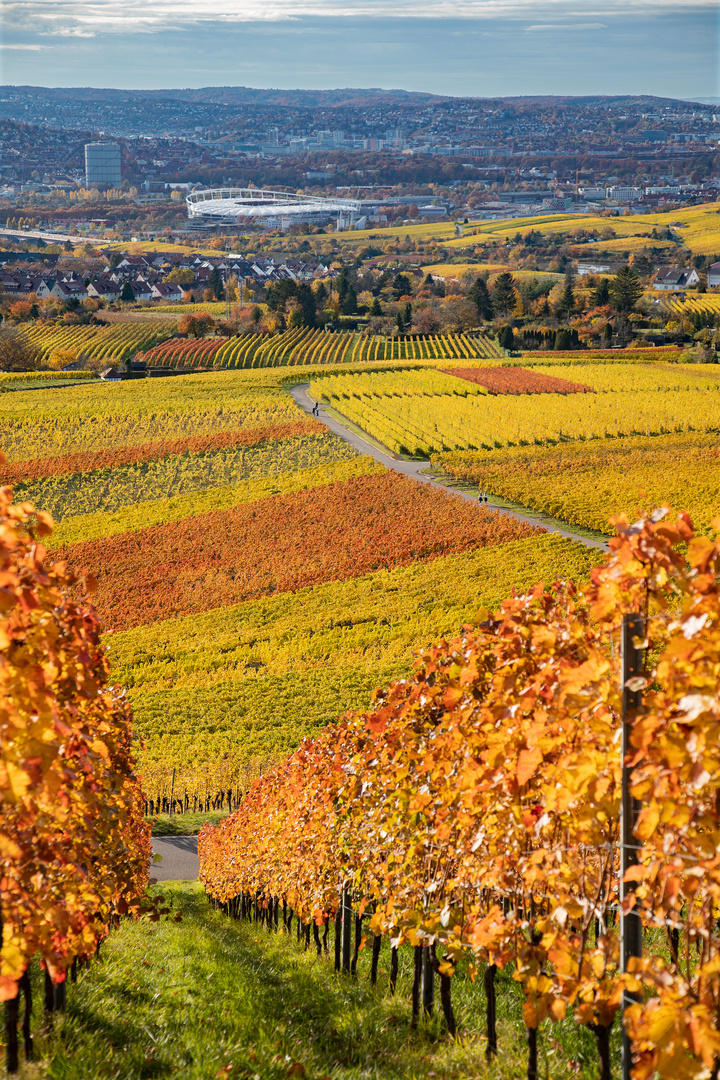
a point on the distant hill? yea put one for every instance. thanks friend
(320, 99)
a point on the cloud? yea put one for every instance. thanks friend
(566, 26)
(82, 18)
(18, 45)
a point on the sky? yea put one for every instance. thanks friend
(478, 48)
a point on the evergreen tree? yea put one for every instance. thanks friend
(480, 297)
(127, 295)
(608, 331)
(348, 305)
(407, 314)
(306, 298)
(506, 338)
(567, 300)
(342, 286)
(504, 295)
(402, 286)
(625, 290)
(376, 309)
(563, 340)
(601, 296)
(215, 282)
(400, 323)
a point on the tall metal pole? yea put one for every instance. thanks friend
(633, 626)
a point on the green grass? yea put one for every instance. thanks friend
(184, 824)
(213, 999)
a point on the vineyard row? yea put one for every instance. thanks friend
(301, 346)
(473, 812)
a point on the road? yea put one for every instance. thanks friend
(414, 469)
(41, 234)
(179, 858)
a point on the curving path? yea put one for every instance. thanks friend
(415, 469)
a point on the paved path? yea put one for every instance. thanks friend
(415, 469)
(179, 858)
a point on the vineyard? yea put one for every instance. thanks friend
(113, 344)
(88, 419)
(185, 474)
(11, 379)
(280, 544)
(585, 483)
(300, 346)
(502, 380)
(706, 303)
(248, 681)
(473, 814)
(139, 505)
(257, 579)
(427, 418)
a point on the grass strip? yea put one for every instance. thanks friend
(208, 998)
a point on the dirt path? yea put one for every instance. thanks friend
(415, 469)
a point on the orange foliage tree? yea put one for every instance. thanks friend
(74, 846)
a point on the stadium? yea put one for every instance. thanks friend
(271, 209)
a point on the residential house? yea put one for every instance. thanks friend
(168, 293)
(104, 289)
(674, 277)
(713, 276)
(141, 290)
(69, 290)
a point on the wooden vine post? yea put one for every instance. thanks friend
(347, 929)
(428, 981)
(633, 627)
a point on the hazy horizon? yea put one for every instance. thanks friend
(472, 48)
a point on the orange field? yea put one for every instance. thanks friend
(502, 380)
(283, 543)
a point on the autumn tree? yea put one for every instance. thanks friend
(181, 276)
(17, 353)
(197, 326)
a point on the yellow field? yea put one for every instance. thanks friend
(623, 244)
(700, 230)
(635, 399)
(456, 270)
(585, 483)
